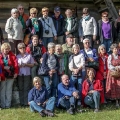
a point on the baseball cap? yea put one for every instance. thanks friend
(69, 36)
(57, 9)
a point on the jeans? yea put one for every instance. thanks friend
(24, 87)
(77, 82)
(51, 84)
(67, 103)
(107, 43)
(34, 71)
(49, 105)
(47, 40)
(93, 100)
(60, 40)
(6, 93)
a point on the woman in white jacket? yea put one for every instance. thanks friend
(14, 30)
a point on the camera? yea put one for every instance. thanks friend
(47, 31)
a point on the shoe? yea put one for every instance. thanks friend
(80, 110)
(96, 110)
(70, 111)
(42, 114)
(48, 113)
(117, 105)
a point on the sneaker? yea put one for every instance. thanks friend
(70, 111)
(96, 110)
(42, 114)
(49, 113)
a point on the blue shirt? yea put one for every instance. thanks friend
(38, 96)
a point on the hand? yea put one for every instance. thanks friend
(55, 37)
(50, 73)
(94, 37)
(104, 75)
(66, 33)
(35, 63)
(41, 60)
(75, 94)
(91, 59)
(53, 70)
(40, 41)
(38, 103)
(91, 91)
(97, 41)
(15, 76)
(75, 71)
(81, 39)
(117, 68)
(6, 67)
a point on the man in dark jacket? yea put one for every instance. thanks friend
(58, 21)
(71, 25)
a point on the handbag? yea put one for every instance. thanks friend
(9, 73)
(115, 73)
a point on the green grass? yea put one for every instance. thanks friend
(106, 113)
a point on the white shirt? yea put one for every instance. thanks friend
(69, 24)
(89, 53)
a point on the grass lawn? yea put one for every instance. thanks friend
(107, 113)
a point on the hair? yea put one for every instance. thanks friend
(85, 10)
(114, 45)
(51, 45)
(5, 46)
(64, 76)
(14, 10)
(19, 6)
(90, 69)
(104, 13)
(68, 10)
(20, 45)
(86, 39)
(37, 79)
(74, 46)
(36, 36)
(33, 10)
(101, 46)
(45, 9)
(58, 45)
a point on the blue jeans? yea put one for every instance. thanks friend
(51, 84)
(67, 103)
(77, 82)
(93, 100)
(47, 40)
(6, 93)
(49, 105)
(107, 43)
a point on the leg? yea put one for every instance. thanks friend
(83, 75)
(79, 87)
(9, 86)
(108, 45)
(44, 40)
(50, 39)
(72, 101)
(34, 106)
(26, 89)
(50, 104)
(73, 80)
(60, 40)
(12, 44)
(34, 71)
(2, 93)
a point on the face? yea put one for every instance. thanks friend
(45, 13)
(15, 15)
(87, 44)
(6, 51)
(70, 41)
(58, 50)
(51, 50)
(37, 84)
(102, 50)
(33, 14)
(105, 17)
(85, 14)
(115, 51)
(21, 9)
(57, 14)
(76, 50)
(68, 14)
(65, 80)
(91, 74)
(35, 41)
(119, 45)
(22, 49)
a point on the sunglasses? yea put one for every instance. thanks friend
(87, 43)
(105, 16)
(33, 13)
(102, 49)
(21, 8)
(22, 48)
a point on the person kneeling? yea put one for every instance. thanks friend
(38, 99)
(67, 95)
(92, 91)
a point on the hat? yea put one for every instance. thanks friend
(69, 36)
(14, 10)
(57, 9)
(86, 39)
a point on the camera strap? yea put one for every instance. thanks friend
(46, 22)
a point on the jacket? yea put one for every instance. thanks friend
(97, 85)
(12, 61)
(14, 29)
(100, 33)
(99, 74)
(58, 23)
(74, 26)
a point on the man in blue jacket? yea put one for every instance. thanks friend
(67, 95)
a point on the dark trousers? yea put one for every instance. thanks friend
(24, 87)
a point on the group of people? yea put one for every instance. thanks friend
(44, 55)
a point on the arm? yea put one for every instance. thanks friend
(82, 61)
(95, 57)
(53, 28)
(99, 86)
(80, 29)
(110, 66)
(71, 63)
(95, 27)
(57, 64)
(30, 96)
(31, 64)
(40, 29)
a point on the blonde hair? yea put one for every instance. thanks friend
(101, 46)
(33, 10)
(37, 79)
(45, 9)
(5, 46)
(58, 46)
(74, 46)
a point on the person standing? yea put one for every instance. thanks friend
(58, 21)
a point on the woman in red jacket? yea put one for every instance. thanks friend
(92, 91)
(103, 68)
(9, 66)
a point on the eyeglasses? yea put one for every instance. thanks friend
(45, 11)
(87, 43)
(105, 16)
(33, 13)
(85, 13)
(22, 48)
(21, 8)
(102, 49)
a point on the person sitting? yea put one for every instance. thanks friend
(67, 95)
(36, 50)
(39, 100)
(92, 91)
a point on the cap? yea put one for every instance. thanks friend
(57, 9)
(86, 39)
(69, 36)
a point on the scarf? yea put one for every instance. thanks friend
(35, 25)
(86, 18)
(22, 21)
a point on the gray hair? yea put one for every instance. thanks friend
(51, 45)
(101, 46)
(74, 46)
(86, 39)
(114, 45)
(20, 45)
(14, 10)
